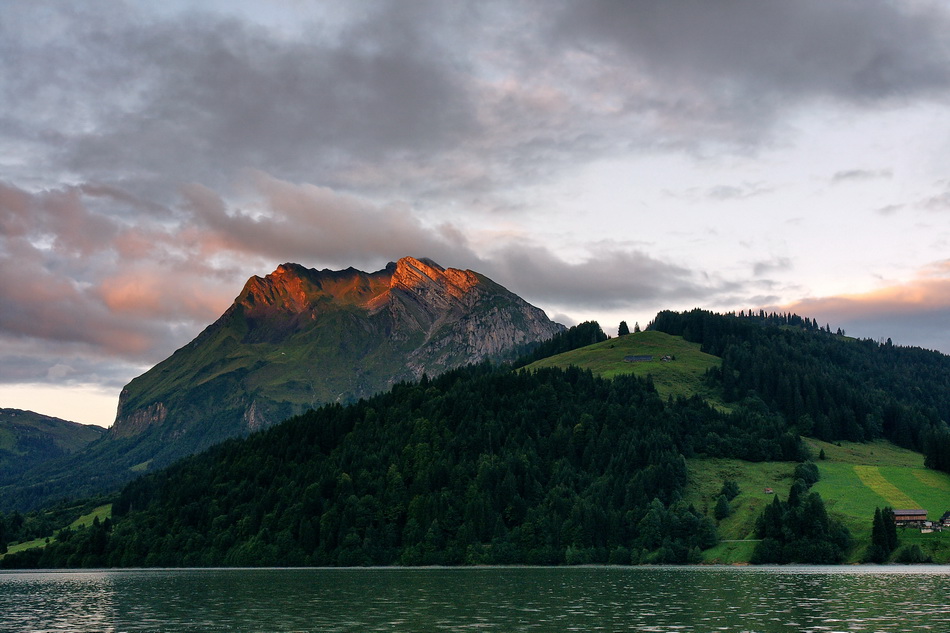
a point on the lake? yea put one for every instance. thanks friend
(681, 599)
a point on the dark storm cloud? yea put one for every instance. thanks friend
(432, 99)
(199, 96)
(852, 49)
(729, 67)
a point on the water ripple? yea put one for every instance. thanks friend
(662, 600)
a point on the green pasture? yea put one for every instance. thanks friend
(855, 479)
(681, 376)
(102, 512)
(736, 531)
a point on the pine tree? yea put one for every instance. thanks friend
(624, 329)
(890, 528)
(877, 551)
(722, 508)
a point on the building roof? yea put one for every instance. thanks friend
(916, 513)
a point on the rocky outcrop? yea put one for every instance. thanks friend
(134, 422)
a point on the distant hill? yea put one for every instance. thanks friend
(28, 439)
(295, 339)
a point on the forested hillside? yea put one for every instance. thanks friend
(825, 384)
(28, 439)
(481, 465)
(489, 464)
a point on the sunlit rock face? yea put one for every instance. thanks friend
(300, 337)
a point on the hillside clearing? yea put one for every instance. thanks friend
(681, 375)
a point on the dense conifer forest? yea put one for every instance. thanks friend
(491, 464)
(481, 465)
(826, 385)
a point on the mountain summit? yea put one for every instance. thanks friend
(300, 337)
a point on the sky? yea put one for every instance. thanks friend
(604, 160)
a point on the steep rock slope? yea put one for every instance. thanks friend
(299, 337)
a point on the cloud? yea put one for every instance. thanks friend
(936, 202)
(612, 278)
(752, 55)
(306, 223)
(112, 277)
(741, 192)
(915, 312)
(763, 267)
(890, 209)
(195, 96)
(154, 160)
(860, 175)
(431, 100)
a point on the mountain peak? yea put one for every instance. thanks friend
(426, 278)
(299, 337)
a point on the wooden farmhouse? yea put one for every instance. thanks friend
(910, 517)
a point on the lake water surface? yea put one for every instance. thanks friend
(682, 599)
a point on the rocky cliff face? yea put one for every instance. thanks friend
(299, 337)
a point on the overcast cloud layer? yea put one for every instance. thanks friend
(602, 159)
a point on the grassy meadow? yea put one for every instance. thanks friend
(706, 477)
(855, 479)
(102, 512)
(682, 376)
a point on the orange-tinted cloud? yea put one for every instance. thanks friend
(156, 294)
(916, 312)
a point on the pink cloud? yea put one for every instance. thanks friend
(915, 312)
(930, 291)
(156, 294)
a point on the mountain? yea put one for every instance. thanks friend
(293, 340)
(28, 439)
(299, 337)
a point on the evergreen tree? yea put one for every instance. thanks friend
(722, 509)
(623, 330)
(890, 528)
(730, 489)
(877, 550)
